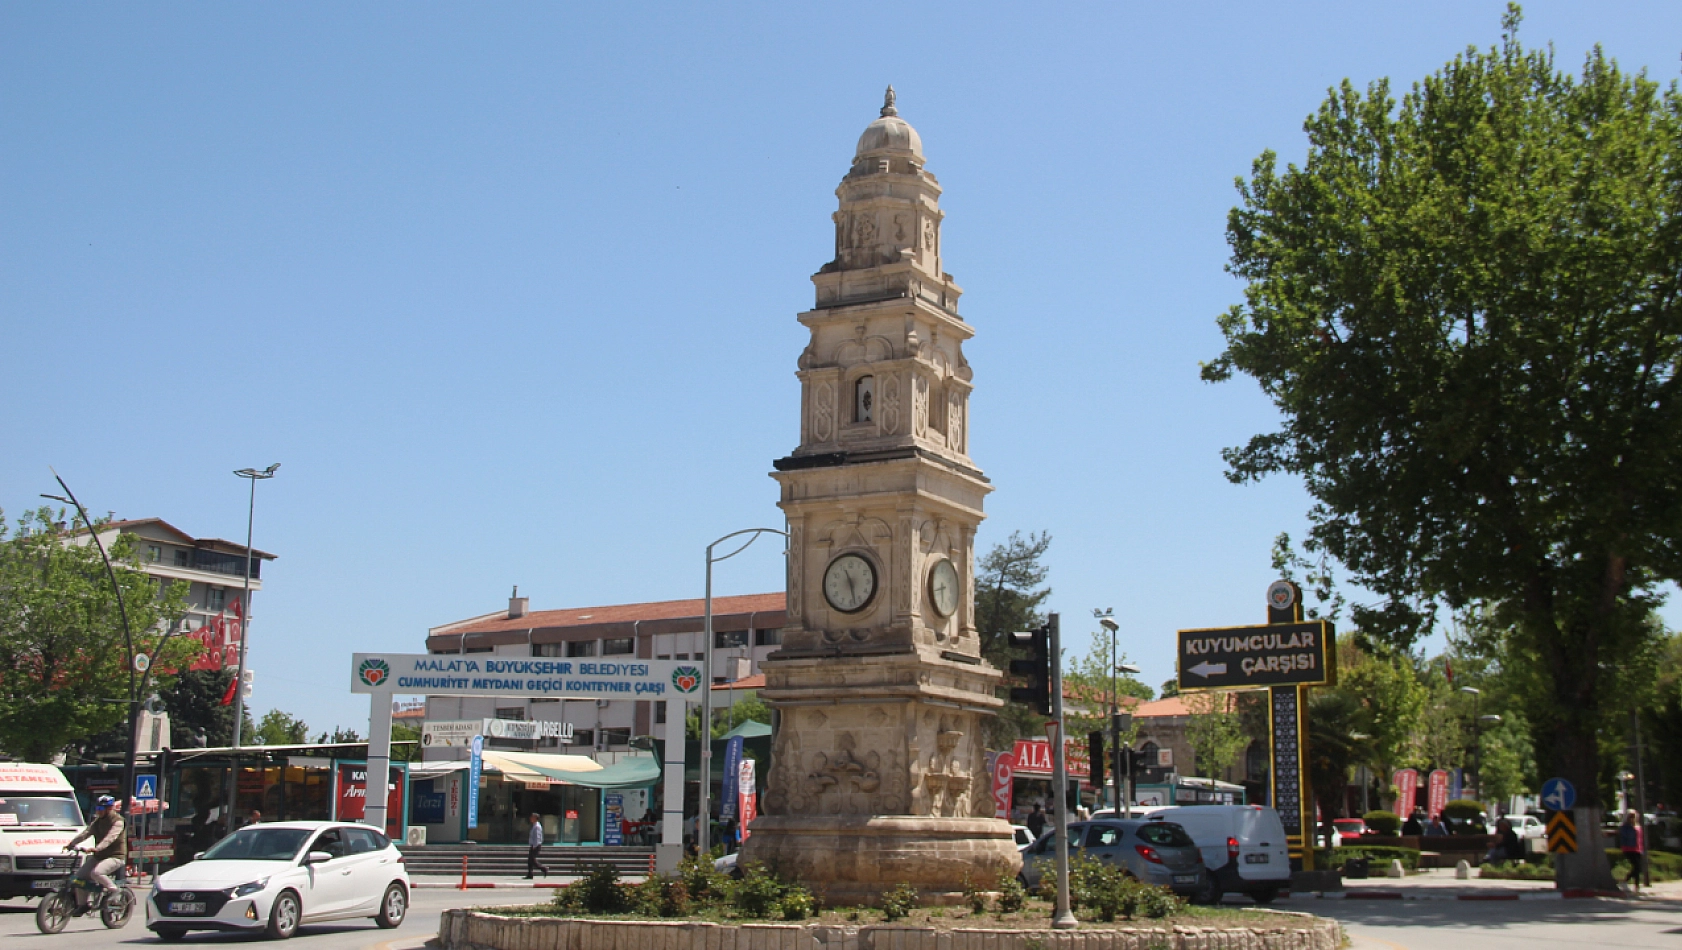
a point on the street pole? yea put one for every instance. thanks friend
(703, 821)
(1108, 622)
(1064, 918)
(1477, 736)
(128, 639)
(244, 638)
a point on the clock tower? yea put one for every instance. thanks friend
(879, 773)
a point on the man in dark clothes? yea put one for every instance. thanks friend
(1413, 826)
(1036, 822)
(534, 842)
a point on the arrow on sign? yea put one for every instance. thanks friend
(1207, 669)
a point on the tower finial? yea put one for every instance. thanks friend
(888, 103)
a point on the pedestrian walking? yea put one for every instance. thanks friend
(535, 843)
(1036, 821)
(1632, 841)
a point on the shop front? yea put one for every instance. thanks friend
(1026, 772)
(577, 800)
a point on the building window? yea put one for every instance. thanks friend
(511, 713)
(154, 553)
(581, 648)
(681, 656)
(767, 638)
(584, 737)
(216, 598)
(659, 712)
(1149, 753)
(479, 650)
(729, 638)
(180, 558)
(619, 646)
(543, 700)
(548, 649)
(616, 738)
(864, 398)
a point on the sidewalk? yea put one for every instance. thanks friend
(1440, 884)
(477, 882)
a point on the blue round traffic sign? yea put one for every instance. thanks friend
(1558, 794)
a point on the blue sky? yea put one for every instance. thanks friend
(510, 290)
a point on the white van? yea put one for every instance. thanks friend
(38, 816)
(1243, 846)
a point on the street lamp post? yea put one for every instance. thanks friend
(1107, 621)
(128, 636)
(244, 638)
(703, 821)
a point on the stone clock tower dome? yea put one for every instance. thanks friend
(879, 770)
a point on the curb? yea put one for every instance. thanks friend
(483, 885)
(1422, 896)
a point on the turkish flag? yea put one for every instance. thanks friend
(228, 697)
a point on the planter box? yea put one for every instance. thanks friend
(462, 929)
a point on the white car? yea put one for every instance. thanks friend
(273, 877)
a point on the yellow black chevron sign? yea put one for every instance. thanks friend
(1562, 833)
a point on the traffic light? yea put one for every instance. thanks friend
(1034, 670)
(1095, 758)
(247, 678)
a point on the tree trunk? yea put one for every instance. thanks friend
(1589, 868)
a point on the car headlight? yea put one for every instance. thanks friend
(251, 887)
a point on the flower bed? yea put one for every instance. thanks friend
(463, 929)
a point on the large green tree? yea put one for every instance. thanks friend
(1009, 597)
(1467, 307)
(64, 665)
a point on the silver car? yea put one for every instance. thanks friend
(1156, 852)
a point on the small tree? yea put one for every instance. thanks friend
(1215, 732)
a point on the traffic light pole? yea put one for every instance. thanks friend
(1064, 919)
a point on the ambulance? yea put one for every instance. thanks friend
(38, 816)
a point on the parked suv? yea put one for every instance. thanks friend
(1243, 846)
(1156, 852)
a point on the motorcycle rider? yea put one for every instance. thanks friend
(110, 848)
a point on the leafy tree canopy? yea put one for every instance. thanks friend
(1008, 597)
(280, 728)
(1467, 307)
(63, 658)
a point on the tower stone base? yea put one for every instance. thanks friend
(853, 859)
(880, 776)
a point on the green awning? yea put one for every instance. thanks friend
(636, 772)
(749, 730)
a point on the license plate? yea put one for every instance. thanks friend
(187, 907)
(1255, 859)
(43, 885)
(1185, 879)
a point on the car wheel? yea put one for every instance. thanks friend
(393, 907)
(283, 916)
(1210, 893)
(170, 934)
(1265, 895)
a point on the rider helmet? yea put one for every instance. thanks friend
(103, 802)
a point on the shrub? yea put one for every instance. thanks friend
(1383, 822)
(758, 892)
(1379, 855)
(797, 903)
(899, 902)
(661, 897)
(1153, 902)
(600, 892)
(704, 883)
(1012, 896)
(974, 896)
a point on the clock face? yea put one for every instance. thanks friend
(849, 583)
(943, 587)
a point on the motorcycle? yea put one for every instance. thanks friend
(60, 903)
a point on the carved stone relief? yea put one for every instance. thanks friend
(796, 569)
(890, 405)
(823, 413)
(920, 406)
(902, 221)
(955, 420)
(864, 229)
(906, 573)
(928, 235)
